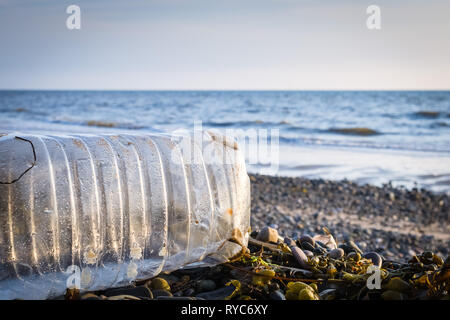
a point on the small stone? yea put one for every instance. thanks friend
(307, 246)
(277, 295)
(347, 249)
(219, 294)
(391, 196)
(326, 241)
(328, 294)
(298, 253)
(336, 253)
(375, 257)
(273, 226)
(268, 234)
(319, 250)
(205, 285)
(307, 238)
(308, 253)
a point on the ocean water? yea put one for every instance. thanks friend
(404, 136)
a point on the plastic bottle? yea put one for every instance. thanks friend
(100, 211)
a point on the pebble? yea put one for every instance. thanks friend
(327, 294)
(368, 202)
(326, 241)
(336, 253)
(277, 295)
(319, 250)
(205, 285)
(375, 257)
(391, 196)
(308, 253)
(307, 238)
(411, 253)
(298, 253)
(268, 234)
(219, 294)
(307, 246)
(347, 249)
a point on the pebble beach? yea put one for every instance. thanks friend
(397, 223)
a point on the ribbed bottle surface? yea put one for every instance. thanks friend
(100, 211)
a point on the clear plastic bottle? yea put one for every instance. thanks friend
(100, 211)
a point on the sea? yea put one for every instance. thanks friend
(376, 137)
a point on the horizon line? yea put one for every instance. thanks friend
(191, 89)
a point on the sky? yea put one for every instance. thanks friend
(225, 45)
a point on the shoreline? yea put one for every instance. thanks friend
(395, 222)
(363, 165)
